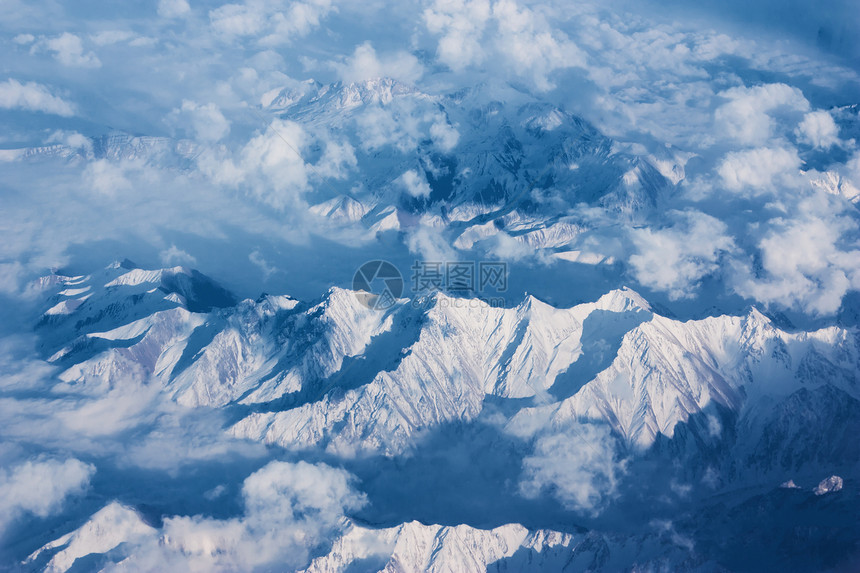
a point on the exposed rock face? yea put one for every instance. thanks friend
(829, 485)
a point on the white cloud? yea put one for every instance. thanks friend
(68, 49)
(238, 19)
(818, 129)
(290, 508)
(268, 21)
(476, 31)
(396, 124)
(274, 155)
(531, 46)
(365, 64)
(269, 167)
(41, 487)
(460, 24)
(414, 183)
(32, 96)
(337, 160)
(676, 258)
(808, 262)
(852, 172)
(107, 177)
(71, 139)
(258, 260)
(173, 8)
(24, 39)
(429, 244)
(759, 169)
(578, 466)
(507, 248)
(298, 21)
(142, 41)
(206, 120)
(444, 135)
(175, 256)
(748, 115)
(109, 37)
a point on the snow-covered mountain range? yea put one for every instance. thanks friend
(702, 415)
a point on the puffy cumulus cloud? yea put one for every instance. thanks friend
(808, 261)
(173, 256)
(173, 8)
(676, 258)
(71, 139)
(337, 161)
(269, 166)
(460, 23)
(290, 508)
(474, 31)
(759, 170)
(394, 124)
(108, 178)
(284, 492)
(818, 130)
(298, 20)
(749, 115)
(414, 183)
(365, 64)
(231, 20)
(272, 22)
(24, 39)
(578, 466)
(429, 243)
(404, 123)
(205, 120)
(40, 487)
(531, 46)
(32, 96)
(444, 135)
(504, 247)
(68, 49)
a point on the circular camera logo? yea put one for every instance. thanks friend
(379, 284)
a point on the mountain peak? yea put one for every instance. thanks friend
(623, 299)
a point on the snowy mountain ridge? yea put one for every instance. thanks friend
(338, 375)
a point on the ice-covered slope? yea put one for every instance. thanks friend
(111, 526)
(666, 371)
(466, 351)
